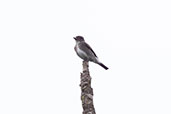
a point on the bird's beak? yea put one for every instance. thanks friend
(74, 38)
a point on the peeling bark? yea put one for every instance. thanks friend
(86, 90)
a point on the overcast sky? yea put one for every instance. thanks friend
(40, 72)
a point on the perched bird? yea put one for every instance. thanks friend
(85, 52)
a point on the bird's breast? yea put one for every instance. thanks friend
(80, 52)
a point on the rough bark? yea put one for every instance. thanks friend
(86, 90)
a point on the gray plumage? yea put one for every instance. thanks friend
(85, 52)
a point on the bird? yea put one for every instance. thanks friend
(85, 52)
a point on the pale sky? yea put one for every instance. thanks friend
(40, 72)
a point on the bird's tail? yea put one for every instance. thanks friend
(102, 65)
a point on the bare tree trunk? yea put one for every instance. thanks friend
(86, 90)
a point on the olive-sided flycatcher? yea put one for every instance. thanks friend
(85, 52)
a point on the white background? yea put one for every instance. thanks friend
(40, 72)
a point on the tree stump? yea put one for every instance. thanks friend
(86, 90)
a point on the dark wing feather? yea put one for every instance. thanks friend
(86, 45)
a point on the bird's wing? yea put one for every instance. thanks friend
(87, 46)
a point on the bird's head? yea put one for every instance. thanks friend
(79, 38)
